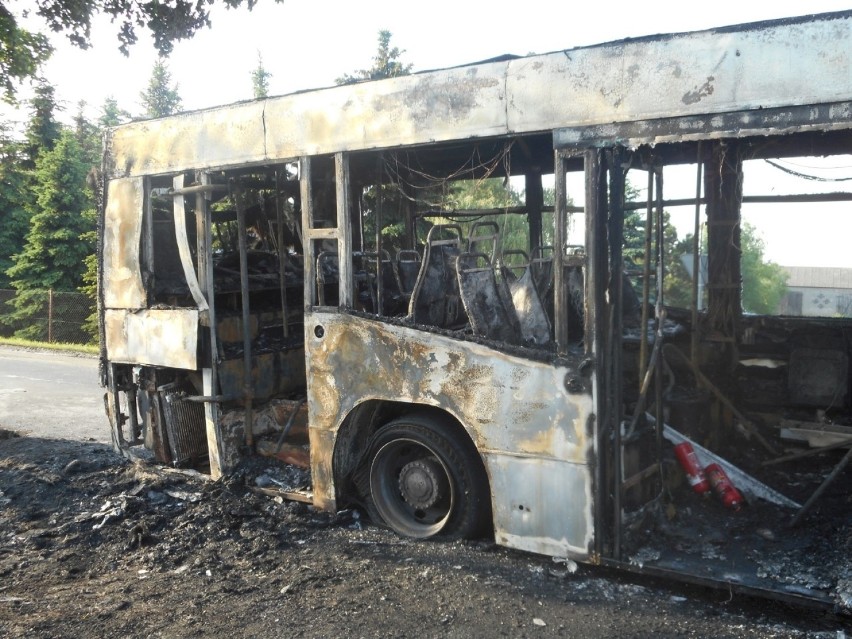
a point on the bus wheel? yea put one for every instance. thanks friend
(426, 480)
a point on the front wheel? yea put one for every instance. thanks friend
(427, 480)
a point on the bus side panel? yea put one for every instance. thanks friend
(157, 337)
(531, 432)
(122, 275)
(545, 505)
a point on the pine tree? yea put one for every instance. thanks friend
(17, 175)
(161, 98)
(43, 129)
(386, 63)
(89, 287)
(22, 52)
(88, 136)
(14, 218)
(260, 79)
(111, 114)
(54, 253)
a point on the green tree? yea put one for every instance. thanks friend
(677, 287)
(492, 193)
(260, 79)
(54, 253)
(111, 114)
(22, 52)
(161, 98)
(43, 129)
(17, 169)
(764, 282)
(14, 217)
(88, 136)
(89, 286)
(386, 63)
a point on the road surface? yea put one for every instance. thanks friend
(51, 394)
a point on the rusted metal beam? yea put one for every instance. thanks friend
(308, 248)
(196, 189)
(184, 250)
(560, 310)
(344, 229)
(659, 318)
(723, 189)
(839, 196)
(380, 284)
(646, 276)
(615, 236)
(517, 210)
(642, 475)
(795, 198)
(808, 453)
(594, 338)
(210, 398)
(822, 488)
(743, 123)
(282, 253)
(248, 391)
(534, 194)
(696, 257)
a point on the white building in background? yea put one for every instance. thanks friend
(818, 291)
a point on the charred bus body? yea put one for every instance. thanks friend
(300, 277)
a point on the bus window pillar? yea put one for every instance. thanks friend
(723, 186)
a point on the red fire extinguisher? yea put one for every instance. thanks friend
(689, 461)
(722, 486)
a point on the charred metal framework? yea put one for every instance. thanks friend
(292, 277)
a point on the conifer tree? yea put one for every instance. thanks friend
(111, 114)
(54, 253)
(161, 98)
(260, 79)
(43, 129)
(88, 136)
(14, 218)
(17, 174)
(386, 63)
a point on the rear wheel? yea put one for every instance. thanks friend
(427, 480)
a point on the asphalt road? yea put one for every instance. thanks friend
(51, 394)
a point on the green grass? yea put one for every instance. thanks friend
(26, 343)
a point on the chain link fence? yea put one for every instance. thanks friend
(48, 316)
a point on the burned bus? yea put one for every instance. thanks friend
(497, 299)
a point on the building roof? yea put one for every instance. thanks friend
(818, 277)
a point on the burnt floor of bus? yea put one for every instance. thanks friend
(755, 547)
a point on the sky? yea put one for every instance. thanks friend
(308, 44)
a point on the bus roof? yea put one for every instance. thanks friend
(793, 62)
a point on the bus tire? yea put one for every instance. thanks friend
(427, 480)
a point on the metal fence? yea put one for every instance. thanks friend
(48, 316)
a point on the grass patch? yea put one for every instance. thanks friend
(89, 349)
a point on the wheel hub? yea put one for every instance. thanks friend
(419, 483)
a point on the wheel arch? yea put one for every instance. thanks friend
(351, 440)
